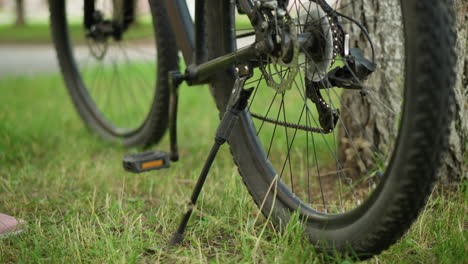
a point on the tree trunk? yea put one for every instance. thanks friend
(455, 161)
(369, 122)
(20, 13)
(370, 125)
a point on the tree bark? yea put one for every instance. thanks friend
(20, 13)
(369, 122)
(455, 162)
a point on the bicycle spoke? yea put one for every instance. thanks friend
(332, 185)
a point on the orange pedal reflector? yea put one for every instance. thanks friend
(146, 161)
(152, 164)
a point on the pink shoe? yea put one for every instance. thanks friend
(10, 225)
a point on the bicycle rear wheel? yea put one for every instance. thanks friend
(116, 73)
(290, 163)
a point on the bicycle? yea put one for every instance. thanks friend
(375, 119)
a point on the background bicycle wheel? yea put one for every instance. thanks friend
(118, 84)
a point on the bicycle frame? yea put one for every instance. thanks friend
(190, 38)
(124, 14)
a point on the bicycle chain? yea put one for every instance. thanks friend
(338, 37)
(289, 125)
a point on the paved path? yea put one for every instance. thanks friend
(32, 59)
(26, 60)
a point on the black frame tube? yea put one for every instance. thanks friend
(128, 13)
(202, 72)
(182, 26)
(200, 26)
(88, 13)
(190, 39)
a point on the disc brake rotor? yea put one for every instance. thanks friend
(317, 54)
(282, 68)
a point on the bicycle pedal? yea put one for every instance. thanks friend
(146, 161)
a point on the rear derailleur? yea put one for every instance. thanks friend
(356, 68)
(350, 76)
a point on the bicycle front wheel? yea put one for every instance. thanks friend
(359, 174)
(115, 66)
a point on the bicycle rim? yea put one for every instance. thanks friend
(113, 80)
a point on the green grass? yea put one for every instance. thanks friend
(81, 207)
(39, 33)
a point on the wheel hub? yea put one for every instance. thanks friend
(318, 50)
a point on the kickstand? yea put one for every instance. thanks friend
(237, 103)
